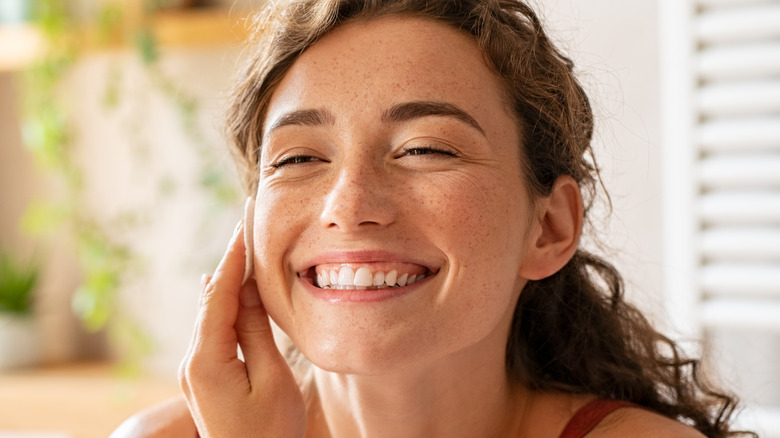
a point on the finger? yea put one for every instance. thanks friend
(215, 332)
(185, 367)
(205, 279)
(255, 335)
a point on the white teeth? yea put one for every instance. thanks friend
(346, 278)
(323, 279)
(379, 279)
(390, 277)
(362, 277)
(334, 277)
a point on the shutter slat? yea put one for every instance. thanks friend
(734, 279)
(742, 314)
(741, 244)
(730, 25)
(739, 62)
(740, 171)
(709, 4)
(740, 98)
(740, 135)
(740, 208)
(735, 237)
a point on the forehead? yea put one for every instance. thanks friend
(383, 61)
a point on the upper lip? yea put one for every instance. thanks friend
(362, 256)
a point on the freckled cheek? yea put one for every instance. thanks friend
(476, 213)
(478, 225)
(280, 218)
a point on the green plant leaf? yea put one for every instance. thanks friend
(146, 43)
(94, 307)
(42, 218)
(17, 285)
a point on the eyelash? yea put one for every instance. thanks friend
(294, 159)
(427, 150)
(419, 150)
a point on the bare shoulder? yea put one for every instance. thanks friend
(640, 423)
(170, 418)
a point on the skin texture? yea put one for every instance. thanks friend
(466, 218)
(345, 179)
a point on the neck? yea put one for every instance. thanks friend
(465, 394)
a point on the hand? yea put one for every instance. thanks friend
(228, 397)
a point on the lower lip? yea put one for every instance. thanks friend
(358, 295)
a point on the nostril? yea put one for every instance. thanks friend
(358, 213)
(359, 195)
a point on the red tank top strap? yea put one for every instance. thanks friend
(590, 415)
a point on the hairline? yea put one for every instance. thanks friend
(280, 69)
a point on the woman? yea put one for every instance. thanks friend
(418, 170)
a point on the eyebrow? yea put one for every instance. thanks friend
(304, 117)
(412, 110)
(397, 113)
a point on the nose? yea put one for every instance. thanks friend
(359, 196)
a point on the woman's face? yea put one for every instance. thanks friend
(389, 157)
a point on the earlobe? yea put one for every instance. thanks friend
(560, 224)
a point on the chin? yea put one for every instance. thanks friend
(346, 355)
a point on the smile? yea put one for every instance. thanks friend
(363, 277)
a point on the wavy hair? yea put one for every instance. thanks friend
(572, 331)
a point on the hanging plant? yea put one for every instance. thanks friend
(105, 260)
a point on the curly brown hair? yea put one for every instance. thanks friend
(572, 331)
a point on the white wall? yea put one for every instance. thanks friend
(615, 47)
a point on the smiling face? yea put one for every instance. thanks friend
(391, 220)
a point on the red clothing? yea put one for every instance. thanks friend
(590, 415)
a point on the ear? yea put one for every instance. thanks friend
(556, 230)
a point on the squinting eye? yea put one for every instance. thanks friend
(295, 159)
(427, 150)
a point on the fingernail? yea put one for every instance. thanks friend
(204, 279)
(238, 227)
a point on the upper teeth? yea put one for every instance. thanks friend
(347, 278)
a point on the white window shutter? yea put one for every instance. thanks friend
(721, 158)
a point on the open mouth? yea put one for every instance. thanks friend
(365, 277)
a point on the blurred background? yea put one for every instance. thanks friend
(117, 191)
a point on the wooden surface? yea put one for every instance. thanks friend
(198, 28)
(21, 45)
(77, 401)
